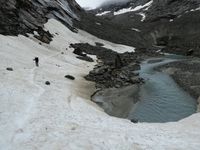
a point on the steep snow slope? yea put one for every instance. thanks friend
(61, 116)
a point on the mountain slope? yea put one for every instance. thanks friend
(22, 16)
(42, 109)
(60, 115)
(146, 24)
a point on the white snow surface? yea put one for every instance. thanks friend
(134, 29)
(143, 16)
(34, 116)
(103, 13)
(137, 8)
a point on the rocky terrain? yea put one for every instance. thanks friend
(170, 25)
(47, 106)
(167, 26)
(114, 69)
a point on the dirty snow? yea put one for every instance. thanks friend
(34, 116)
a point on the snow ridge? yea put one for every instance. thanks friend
(130, 9)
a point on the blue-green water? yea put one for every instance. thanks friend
(161, 99)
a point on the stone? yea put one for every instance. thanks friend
(9, 69)
(47, 83)
(70, 77)
(134, 120)
(134, 66)
(79, 52)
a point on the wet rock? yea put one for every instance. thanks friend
(70, 77)
(26, 16)
(155, 61)
(9, 69)
(133, 66)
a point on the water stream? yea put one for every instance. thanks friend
(161, 99)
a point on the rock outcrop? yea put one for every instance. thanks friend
(25, 16)
(114, 70)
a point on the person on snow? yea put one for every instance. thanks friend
(36, 59)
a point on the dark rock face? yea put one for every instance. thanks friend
(134, 120)
(172, 25)
(22, 16)
(115, 70)
(44, 36)
(82, 55)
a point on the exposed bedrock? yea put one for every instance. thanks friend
(114, 69)
(23, 16)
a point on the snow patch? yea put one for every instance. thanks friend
(84, 37)
(103, 13)
(130, 9)
(134, 29)
(143, 16)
